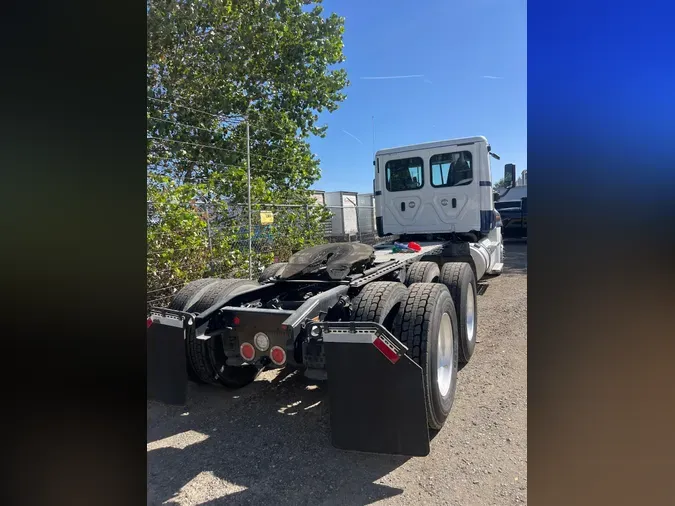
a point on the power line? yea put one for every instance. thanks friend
(277, 132)
(241, 117)
(196, 145)
(182, 160)
(188, 126)
(165, 288)
(164, 297)
(255, 170)
(216, 148)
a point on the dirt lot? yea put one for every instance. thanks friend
(269, 442)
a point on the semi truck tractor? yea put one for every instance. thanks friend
(384, 327)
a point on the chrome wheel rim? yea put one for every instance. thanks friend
(470, 314)
(445, 355)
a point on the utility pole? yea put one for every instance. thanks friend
(248, 171)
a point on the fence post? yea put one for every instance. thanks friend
(208, 231)
(358, 224)
(248, 174)
(307, 217)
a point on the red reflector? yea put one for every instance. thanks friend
(247, 351)
(149, 322)
(391, 355)
(278, 355)
(236, 320)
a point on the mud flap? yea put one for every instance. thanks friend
(167, 378)
(376, 391)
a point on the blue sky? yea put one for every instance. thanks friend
(472, 55)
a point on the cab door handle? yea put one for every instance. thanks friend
(402, 206)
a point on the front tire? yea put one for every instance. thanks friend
(427, 324)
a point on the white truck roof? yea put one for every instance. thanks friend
(434, 144)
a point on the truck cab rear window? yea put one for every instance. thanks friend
(405, 174)
(451, 169)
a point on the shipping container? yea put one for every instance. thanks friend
(343, 207)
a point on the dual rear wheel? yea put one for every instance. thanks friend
(206, 360)
(436, 321)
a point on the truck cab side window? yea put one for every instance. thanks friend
(405, 174)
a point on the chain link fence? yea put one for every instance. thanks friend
(189, 241)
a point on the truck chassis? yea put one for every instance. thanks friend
(388, 339)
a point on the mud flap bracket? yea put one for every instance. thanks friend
(167, 369)
(376, 391)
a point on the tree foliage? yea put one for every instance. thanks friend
(212, 67)
(191, 234)
(212, 62)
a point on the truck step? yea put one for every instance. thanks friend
(497, 269)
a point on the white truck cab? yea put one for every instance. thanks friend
(442, 187)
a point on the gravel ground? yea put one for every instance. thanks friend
(269, 442)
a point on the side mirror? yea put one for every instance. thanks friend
(496, 196)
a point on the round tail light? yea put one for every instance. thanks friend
(278, 355)
(247, 351)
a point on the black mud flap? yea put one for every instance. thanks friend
(167, 378)
(376, 391)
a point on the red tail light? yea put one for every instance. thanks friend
(278, 355)
(149, 322)
(236, 320)
(247, 351)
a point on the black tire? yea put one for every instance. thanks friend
(271, 271)
(422, 272)
(219, 291)
(206, 361)
(191, 293)
(418, 325)
(461, 281)
(378, 302)
(185, 298)
(207, 358)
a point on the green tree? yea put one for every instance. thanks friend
(212, 63)
(212, 67)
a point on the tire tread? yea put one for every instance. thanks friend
(412, 327)
(376, 298)
(422, 272)
(453, 275)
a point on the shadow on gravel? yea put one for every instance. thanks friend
(269, 442)
(515, 256)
